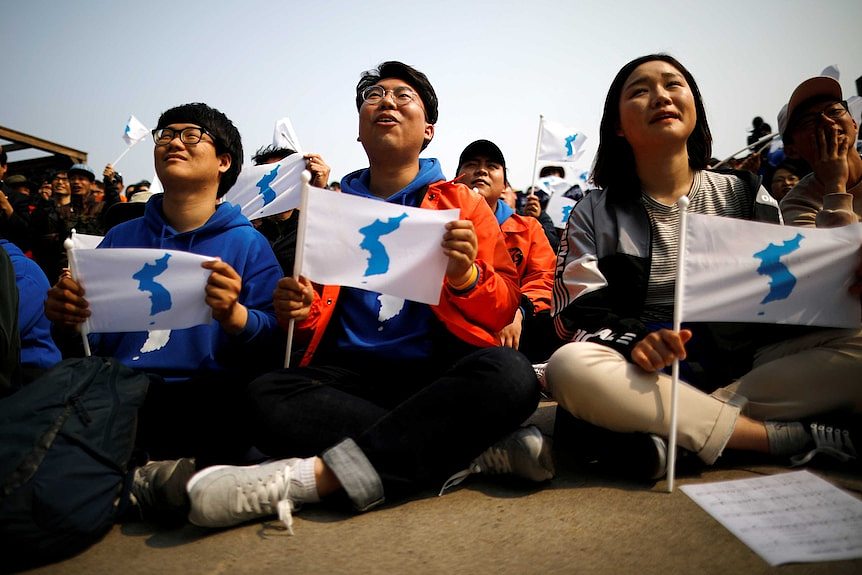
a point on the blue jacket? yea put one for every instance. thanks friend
(37, 348)
(181, 354)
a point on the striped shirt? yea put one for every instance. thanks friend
(712, 194)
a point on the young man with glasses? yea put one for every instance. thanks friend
(818, 128)
(198, 411)
(391, 395)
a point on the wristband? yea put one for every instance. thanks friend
(474, 275)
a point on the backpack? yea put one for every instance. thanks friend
(67, 439)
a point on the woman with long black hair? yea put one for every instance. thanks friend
(614, 287)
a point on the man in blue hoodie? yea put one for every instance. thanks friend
(199, 408)
(391, 395)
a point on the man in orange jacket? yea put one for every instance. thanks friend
(482, 167)
(391, 395)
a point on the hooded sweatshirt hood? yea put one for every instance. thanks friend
(356, 183)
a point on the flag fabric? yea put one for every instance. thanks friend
(558, 209)
(85, 241)
(135, 131)
(743, 271)
(557, 143)
(131, 289)
(554, 185)
(283, 136)
(372, 245)
(268, 189)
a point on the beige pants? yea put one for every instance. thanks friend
(797, 378)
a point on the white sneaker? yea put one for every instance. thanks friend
(223, 495)
(525, 453)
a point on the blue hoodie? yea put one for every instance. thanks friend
(37, 347)
(181, 354)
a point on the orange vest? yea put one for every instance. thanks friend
(533, 257)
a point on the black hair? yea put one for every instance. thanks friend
(226, 136)
(552, 171)
(266, 154)
(614, 165)
(3, 158)
(411, 76)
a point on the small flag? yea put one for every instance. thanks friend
(554, 185)
(135, 131)
(85, 241)
(284, 136)
(558, 209)
(559, 144)
(743, 271)
(372, 245)
(132, 289)
(268, 189)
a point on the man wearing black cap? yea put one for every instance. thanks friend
(482, 167)
(393, 395)
(817, 127)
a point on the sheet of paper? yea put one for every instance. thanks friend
(786, 518)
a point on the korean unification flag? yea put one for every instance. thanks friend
(268, 189)
(132, 289)
(557, 143)
(372, 245)
(558, 209)
(85, 241)
(742, 271)
(134, 131)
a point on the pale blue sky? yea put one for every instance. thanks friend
(74, 71)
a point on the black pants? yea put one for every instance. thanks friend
(415, 423)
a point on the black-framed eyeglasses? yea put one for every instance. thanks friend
(402, 95)
(834, 112)
(188, 136)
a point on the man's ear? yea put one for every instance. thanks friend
(429, 132)
(224, 163)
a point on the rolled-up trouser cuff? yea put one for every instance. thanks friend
(724, 425)
(356, 474)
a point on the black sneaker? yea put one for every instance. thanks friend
(159, 490)
(637, 456)
(836, 442)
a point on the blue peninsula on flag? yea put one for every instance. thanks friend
(131, 289)
(743, 271)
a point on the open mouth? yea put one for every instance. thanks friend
(385, 119)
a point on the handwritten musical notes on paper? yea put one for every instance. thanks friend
(787, 518)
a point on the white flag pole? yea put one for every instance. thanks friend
(70, 254)
(298, 254)
(762, 140)
(126, 151)
(682, 203)
(536, 156)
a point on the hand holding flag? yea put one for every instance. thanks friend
(129, 289)
(369, 244)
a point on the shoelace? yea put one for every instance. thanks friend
(259, 498)
(493, 460)
(829, 440)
